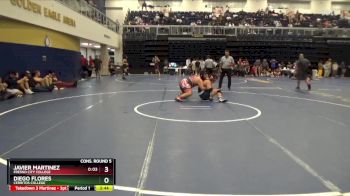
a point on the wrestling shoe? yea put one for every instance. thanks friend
(28, 91)
(179, 99)
(222, 100)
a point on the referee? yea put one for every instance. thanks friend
(226, 64)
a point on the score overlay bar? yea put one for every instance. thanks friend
(85, 174)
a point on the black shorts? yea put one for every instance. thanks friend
(205, 95)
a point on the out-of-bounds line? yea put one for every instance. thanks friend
(259, 80)
(196, 106)
(153, 83)
(332, 120)
(147, 161)
(260, 87)
(190, 108)
(89, 107)
(328, 89)
(3, 161)
(328, 184)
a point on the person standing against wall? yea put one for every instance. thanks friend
(84, 66)
(226, 64)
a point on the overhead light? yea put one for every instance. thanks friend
(84, 44)
(90, 44)
(112, 50)
(108, 48)
(97, 46)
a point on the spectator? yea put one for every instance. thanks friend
(43, 82)
(202, 65)
(320, 69)
(35, 85)
(156, 62)
(84, 66)
(3, 91)
(274, 64)
(144, 5)
(197, 67)
(335, 68)
(264, 66)
(342, 68)
(260, 18)
(13, 84)
(125, 67)
(60, 85)
(188, 62)
(91, 66)
(327, 68)
(257, 65)
(209, 65)
(193, 65)
(97, 63)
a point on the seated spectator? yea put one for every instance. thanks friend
(16, 86)
(60, 85)
(257, 64)
(35, 85)
(3, 91)
(264, 65)
(254, 70)
(45, 82)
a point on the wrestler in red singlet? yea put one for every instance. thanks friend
(187, 84)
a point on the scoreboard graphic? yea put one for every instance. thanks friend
(60, 175)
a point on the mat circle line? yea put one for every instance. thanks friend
(136, 109)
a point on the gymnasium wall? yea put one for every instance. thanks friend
(25, 46)
(53, 15)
